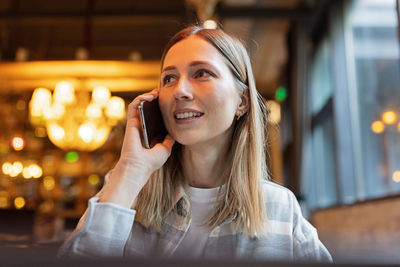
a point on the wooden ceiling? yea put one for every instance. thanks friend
(118, 29)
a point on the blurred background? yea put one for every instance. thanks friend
(328, 69)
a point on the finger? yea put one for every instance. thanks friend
(136, 102)
(133, 122)
(133, 127)
(165, 147)
(132, 135)
(144, 97)
(147, 96)
(134, 105)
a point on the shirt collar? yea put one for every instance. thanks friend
(180, 215)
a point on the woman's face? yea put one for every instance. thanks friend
(198, 97)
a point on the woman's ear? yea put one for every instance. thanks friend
(244, 104)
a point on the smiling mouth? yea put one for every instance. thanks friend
(187, 115)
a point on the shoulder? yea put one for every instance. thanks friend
(274, 192)
(280, 202)
(284, 217)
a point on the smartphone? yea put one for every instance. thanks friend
(153, 128)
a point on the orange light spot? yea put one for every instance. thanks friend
(378, 127)
(396, 176)
(18, 143)
(389, 117)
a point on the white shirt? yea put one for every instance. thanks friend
(195, 240)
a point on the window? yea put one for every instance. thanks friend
(372, 47)
(352, 148)
(320, 187)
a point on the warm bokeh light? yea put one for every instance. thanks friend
(93, 111)
(115, 108)
(26, 173)
(48, 112)
(35, 171)
(398, 127)
(275, 111)
(4, 199)
(210, 24)
(56, 132)
(64, 93)
(19, 202)
(101, 134)
(13, 172)
(93, 179)
(21, 105)
(18, 143)
(86, 132)
(389, 117)
(396, 176)
(76, 122)
(17, 167)
(377, 127)
(101, 95)
(13, 169)
(42, 96)
(41, 99)
(32, 171)
(6, 168)
(58, 110)
(49, 183)
(40, 132)
(55, 111)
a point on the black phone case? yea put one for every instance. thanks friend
(153, 129)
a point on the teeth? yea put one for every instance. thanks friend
(187, 115)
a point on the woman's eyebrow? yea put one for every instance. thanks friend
(168, 68)
(192, 64)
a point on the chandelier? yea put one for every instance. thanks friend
(76, 120)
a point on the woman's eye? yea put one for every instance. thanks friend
(202, 73)
(168, 79)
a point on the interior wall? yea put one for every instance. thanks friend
(363, 232)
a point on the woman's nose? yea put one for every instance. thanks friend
(183, 90)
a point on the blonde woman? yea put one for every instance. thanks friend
(204, 191)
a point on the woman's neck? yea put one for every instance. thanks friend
(204, 164)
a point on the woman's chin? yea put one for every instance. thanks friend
(186, 140)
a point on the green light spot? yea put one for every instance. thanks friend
(72, 157)
(281, 93)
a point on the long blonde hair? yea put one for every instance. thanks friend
(243, 196)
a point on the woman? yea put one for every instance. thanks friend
(204, 191)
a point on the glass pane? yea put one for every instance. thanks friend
(375, 48)
(318, 179)
(321, 86)
(324, 168)
(320, 185)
